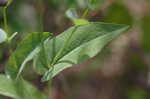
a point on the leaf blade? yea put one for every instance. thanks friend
(25, 51)
(9, 87)
(78, 40)
(85, 52)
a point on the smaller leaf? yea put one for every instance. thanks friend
(19, 89)
(7, 88)
(3, 36)
(76, 45)
(25, 52)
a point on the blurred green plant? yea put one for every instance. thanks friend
(52, 54)
(145, 23)
(136, 93)
(117, 13)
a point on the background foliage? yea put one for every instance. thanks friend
(120, 71)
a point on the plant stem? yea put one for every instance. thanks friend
(5, 19)
(40, 4)
(7, 31)
(85, 13)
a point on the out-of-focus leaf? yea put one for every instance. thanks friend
(3, 36)
(20, 89)
(119, 14)
(145, 23)
(26, 50)
(7, 87)
(82, 3)
(27, 91)
(137, 94)
(137, 63)
(94, 4)
(76, 45)
(91, 4)
(57, 3)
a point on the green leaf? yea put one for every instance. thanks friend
(7, 87)
(25, 51)
(76, 45)
(3, 36)
(20, 89)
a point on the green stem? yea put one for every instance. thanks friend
(6, 27)
(85, 13)
(40, 4)
(5, 19)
